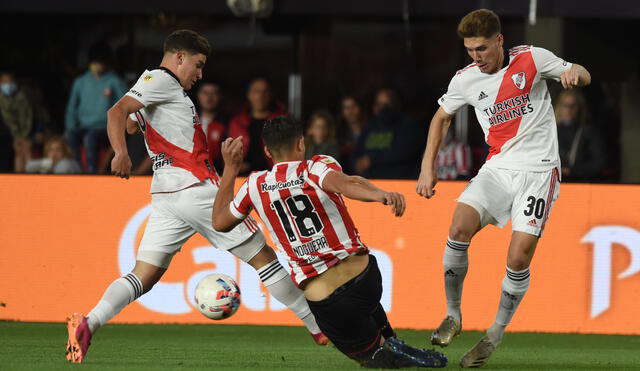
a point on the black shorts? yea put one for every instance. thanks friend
(347, 317)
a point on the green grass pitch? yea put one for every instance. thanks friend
(40, 346)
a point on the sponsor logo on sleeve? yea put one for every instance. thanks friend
(147, 78)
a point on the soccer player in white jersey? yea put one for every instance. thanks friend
(301, 203)
(183, 188)
(520, 178)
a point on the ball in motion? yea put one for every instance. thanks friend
(217, 296)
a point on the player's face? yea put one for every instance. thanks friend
(209, 97)
(485, 52)
(190, 68)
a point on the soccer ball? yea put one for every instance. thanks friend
(217, 296)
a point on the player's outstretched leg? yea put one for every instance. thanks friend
(121, 292)
(276, 279)
(465, 224)
(514, 286)
(455, 263)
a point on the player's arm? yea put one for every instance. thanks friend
(232, 154)
(577, 75)
(132, 126)
(437, 131)
(117, 117)
(358, 188)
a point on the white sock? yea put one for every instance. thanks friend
(514, 286)
(121, 292)
(277, 281)
(456, 263)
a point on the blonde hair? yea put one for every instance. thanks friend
(479, 23)
(583, 114)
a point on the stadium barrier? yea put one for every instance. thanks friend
(65, 238)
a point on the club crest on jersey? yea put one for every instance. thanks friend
(519, 80)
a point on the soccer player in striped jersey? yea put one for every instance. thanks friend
(301, 204)
(183, 185)
(520, 178)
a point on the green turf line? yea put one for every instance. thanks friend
(40, 346)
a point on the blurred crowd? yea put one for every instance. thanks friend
(371, 136)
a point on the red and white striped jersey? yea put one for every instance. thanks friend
(310, 224)
(172, 131)
(513, 106)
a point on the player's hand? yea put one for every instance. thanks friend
(121, 166)
(570, 78)
(426, 184)
(232, 152)
(396, 201)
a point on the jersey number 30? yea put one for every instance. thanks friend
(300, 210)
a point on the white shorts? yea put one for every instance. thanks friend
(177, 216)
(524, 196)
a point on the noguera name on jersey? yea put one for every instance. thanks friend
(509, 109)
(311, 247)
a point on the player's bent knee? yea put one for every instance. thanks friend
(461, 233)
(262, 258)
(518, 263)
(148, 274)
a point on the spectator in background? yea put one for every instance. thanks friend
(454, 158)
(92, 95)
(17, 113)
(391, 143)
(582, 150)
(321, 136)
(214, 122)
(58, 159)
(249, 122)
(350, 125)
(6, 148)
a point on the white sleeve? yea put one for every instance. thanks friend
(151, 88)
(548, 64)
(322, 165)
(133, 117)
(453, 99)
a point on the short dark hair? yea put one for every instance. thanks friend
(479, 23)
(188, 41)
(281, 132)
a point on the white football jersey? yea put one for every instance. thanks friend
(172, 131)
(513, 107)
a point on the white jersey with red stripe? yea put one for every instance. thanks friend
(513, 106)
(310, 224)
(172, 131)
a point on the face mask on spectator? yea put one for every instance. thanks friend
(8, 88)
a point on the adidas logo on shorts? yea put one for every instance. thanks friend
(533, 223)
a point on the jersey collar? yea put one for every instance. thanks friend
(165, 69)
